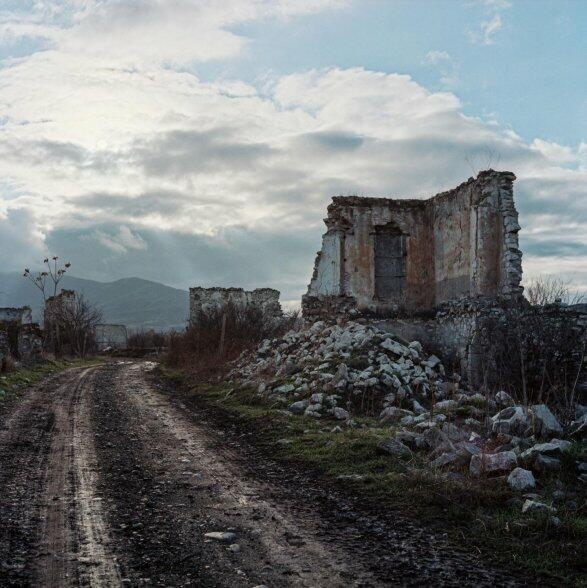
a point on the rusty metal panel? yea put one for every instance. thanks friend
(390, 265)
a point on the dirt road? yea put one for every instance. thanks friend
(107, 478)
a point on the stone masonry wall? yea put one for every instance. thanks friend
(203, 300)
(458, 244)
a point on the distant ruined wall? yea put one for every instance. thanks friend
(19, 336)
(202, 300)
(379, 254)
(17, 316)
(111, 336)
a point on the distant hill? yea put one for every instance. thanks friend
(136, 303)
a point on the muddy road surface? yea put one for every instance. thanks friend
(108, 478)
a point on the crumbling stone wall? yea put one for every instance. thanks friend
(54, 308)
(203, 300)
(19, 336)
(381, 254)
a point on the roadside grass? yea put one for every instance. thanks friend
(482, 515)
(14, 381)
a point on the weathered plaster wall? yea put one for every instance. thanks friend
(462, 243)
(111, 336)
(203, 300)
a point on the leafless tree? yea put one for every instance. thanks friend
(75, 324)
(487, 158)
(52, 275)
(550, 290)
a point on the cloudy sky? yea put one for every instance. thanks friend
(198, 142)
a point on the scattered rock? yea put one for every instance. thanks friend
(553, 449)
(545, 423)
(521, 480)
(222, 536)
(448, 459)
(299, 407)
(512, 421)
(545, 464)
(493, 463)
(503, 399)
(340, 413)
(395, 448)
(392, 415)
(533, 506)
(285, 389)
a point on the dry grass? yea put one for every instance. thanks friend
(220, 336)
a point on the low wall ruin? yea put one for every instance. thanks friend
(205, 300)
(19, 336)
(111, 336)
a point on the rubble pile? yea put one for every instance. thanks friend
(344, 372)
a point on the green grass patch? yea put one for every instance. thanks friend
(12, 382)
(473, 512)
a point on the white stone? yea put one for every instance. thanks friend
(545, 423)
(521, 480)
(535, 506)
(340, 413)
(493, 463)
(503, 399)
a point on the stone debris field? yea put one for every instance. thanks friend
(349, 371)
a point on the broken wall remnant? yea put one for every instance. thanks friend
(111, 336)
(434, 269)
(19, 336)
(55, 307)
(205, 300)
(381, 254)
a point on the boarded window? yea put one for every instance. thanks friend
(390, 265)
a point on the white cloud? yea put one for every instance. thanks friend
(224, 180)
(436, 57)
(488, 30)
(141, 31)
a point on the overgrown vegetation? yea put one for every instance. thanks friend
(221, 335)
(152, 339)
(482, 514)
(71, 327)
(536, 351)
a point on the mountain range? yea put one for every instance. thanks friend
(134, 302)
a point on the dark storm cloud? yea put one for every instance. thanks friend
(236, 256)
(58, 153)
(177, 153)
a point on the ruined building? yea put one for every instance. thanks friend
(204, 300)
(380, 254)
(110, 336)
(19, 336)
(55, 309)
(429, 267)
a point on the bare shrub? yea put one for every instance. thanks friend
(7, 364)
(151, 339)
(551, 290)
(535, 353)
(220, 335)
(73, 327)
